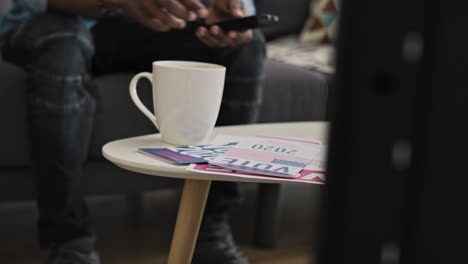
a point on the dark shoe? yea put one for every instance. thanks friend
(215, 245)
(77, 251)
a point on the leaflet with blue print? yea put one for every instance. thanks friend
(273, 156)
(193, 154)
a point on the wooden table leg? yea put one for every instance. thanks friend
(191, 208)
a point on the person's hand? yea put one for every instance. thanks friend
(162, 15)
(215, 36)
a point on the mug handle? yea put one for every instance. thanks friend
(136, 99)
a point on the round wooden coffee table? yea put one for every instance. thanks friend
(123, 153)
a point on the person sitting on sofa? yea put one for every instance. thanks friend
(62, 44)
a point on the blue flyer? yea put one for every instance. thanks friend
(188, 154)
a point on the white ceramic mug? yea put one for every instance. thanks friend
(187, 97)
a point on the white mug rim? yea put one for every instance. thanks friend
(188, 65)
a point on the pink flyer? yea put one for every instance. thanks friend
(309, 176)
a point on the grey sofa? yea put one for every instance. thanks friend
(291, 94)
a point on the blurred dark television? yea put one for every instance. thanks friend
(397, 180)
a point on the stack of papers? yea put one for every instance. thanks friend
(287, 157)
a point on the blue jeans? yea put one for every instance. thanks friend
(61, 55)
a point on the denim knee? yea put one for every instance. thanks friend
(258, 44)
(245, 72)
(59, 78)
(249, 58)
(56, 51)
(28, 39)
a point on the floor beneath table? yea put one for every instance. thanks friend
(123, 241)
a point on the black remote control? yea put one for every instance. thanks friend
(239, 24)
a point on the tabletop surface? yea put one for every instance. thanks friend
(123, 153)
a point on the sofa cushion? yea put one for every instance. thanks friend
(293, 94)
(322, 23)
(291, 51)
